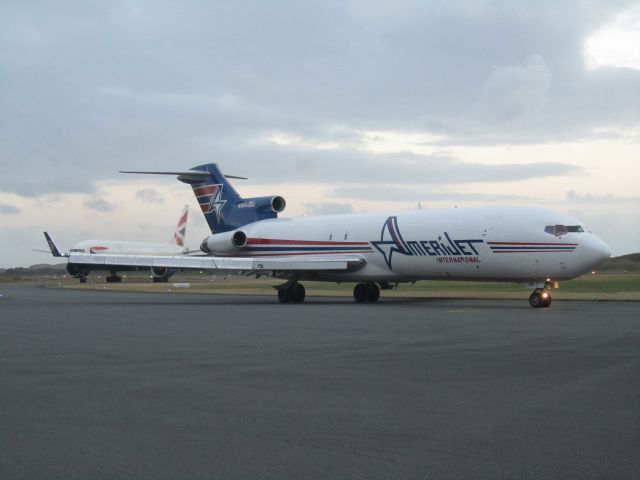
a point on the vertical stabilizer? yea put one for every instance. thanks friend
(180, 233)
(52, 246)
(222, 206)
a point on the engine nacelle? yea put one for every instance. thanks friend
(226, 243)
(76, 271)
(275, 204)
(161, 274)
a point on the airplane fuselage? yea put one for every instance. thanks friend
(518, 244)
(116, 247)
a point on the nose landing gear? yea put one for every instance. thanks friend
(540, 298)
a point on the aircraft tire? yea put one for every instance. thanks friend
(374, 293)
(540, 299)
(535, 300)
(297, 293)
(361, 293)
(284, 295)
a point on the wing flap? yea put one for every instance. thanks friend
(202, 262)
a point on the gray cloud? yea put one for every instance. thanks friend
(516, 91)
(99, 205)
(417, 194)
(149, 195)
(6, 209)
(573, 196)
(327, 208)
(345, 166)
(89, 89)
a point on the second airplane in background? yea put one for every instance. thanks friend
(122, 247)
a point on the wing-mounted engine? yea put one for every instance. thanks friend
(76, 271)
(161, 274)
(226, 243)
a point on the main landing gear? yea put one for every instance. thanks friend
(294, 292)
(366, 292)
(291, 292)
(113, 278)
(540, 298)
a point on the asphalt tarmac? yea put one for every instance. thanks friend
(106, 385)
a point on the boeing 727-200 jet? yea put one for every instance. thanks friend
(535, 246)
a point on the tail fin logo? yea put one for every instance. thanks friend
(181, 230)
(210, 199)
(179, 237)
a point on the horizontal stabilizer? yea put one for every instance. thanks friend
(188, 176)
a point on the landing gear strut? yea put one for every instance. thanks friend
(291, 292)
(540, 298)
(366, 292)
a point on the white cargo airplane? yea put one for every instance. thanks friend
(116, 248)
(535, 246)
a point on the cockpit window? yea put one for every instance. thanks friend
(559, 230)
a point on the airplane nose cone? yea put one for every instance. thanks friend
(605, 250)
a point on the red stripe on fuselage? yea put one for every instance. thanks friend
(280, 254)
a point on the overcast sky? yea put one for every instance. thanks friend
(339, 106)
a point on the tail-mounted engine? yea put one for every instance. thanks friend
(226, 243)
(264, 204)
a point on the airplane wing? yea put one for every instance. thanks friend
(239, 264)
